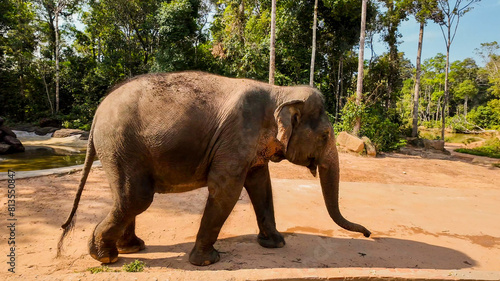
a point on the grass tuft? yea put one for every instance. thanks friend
(98, 269)
(135, 266)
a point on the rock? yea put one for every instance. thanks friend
(7, 131)
(85, 135)
(415, 141)
(16, 145)
(5, 148)
(370, 148)
(8, 141)
(49, 122)
(45, 130)
(63, 133)
(350, 142)
(434, 144)
(24, 127)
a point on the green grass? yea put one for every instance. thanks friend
(98, 269)
(491, 148)
(135, 266)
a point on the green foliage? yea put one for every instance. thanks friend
(135, 266)
(99, 269)
(491, 148)
(458, 123)
(383, 128)
(486, 117)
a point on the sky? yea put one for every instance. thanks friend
(480, 25)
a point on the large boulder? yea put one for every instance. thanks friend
(434, 144)
(8, 140)
(370, 148)
(63, 133)
(350, 142)
(45, 130)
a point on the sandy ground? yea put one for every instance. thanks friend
(430, 218)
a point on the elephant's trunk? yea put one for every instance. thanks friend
(329, 178)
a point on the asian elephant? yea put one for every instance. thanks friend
(175, 132)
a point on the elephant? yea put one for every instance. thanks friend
(176, 132)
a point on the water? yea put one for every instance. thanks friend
(455, 137)
(44, 152)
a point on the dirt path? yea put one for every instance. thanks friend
(430, 219)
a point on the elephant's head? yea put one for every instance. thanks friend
(308, 140)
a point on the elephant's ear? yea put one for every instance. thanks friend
(286, 115)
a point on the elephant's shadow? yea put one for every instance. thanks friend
(308, 251)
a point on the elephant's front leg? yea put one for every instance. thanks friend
(224, 191)
(258, 186)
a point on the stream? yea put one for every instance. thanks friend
(44, 152)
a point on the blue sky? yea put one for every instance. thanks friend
(480, 25)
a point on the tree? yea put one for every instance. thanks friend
(359, 85)
(449, 25)
(272, 51)
(54, 9)
(390, 20)
(18, 43)
(423, 10)
(492, 59)
(313, 52)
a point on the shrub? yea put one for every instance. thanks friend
(486, 117)
(491, 148)
(135, 266)
(383, 127)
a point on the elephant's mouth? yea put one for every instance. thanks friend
(312, 166)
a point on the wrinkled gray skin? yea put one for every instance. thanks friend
(168, 133)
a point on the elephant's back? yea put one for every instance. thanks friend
(168, 121)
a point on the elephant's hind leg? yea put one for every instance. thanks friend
(132, 196)
(129, 242)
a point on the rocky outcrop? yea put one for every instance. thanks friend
(350, 142)
(434, 144)
(63, 133)
(8, 140)
(370, 148)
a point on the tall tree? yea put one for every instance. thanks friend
(423, 10)
(449, 25)
(491, 56)
(54, 9)
(272, 51)
(390, 21)
(361, 63)
(313, 52)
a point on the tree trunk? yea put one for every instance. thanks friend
(465, 107)
(57, 59)
(359, 86)
(339, 87)
(446, 91)
(272, 65)
(414, 131)
(313, 53)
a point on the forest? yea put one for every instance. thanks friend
(59, 58)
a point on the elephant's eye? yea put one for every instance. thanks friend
(325, 135)
(295, 119)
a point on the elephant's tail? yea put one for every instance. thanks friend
(89, 159)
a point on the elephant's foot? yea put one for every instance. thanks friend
(202, 258)
(274, 240)
(133, 245)
(103, 252)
